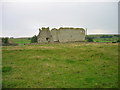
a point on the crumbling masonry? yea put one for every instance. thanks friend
(61, 35)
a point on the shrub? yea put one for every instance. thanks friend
(5, 40)
(29, 38)
(89, 39)
(34, 39)
(118, 40)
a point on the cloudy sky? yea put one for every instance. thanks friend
(23, 19)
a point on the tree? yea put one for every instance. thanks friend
(118, 40)
(29, 38)
(34, 39)
(5, 40)
(89, 39)
(106, 36)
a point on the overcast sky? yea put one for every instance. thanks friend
(23, 19)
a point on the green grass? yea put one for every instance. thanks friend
(20, 41)
(6, 69)
(99, 38)
(106, 39)
(75, 65)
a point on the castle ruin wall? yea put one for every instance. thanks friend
(61, 35)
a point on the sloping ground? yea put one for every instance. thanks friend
(75, 65)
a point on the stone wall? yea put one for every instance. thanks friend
(61, 35)
(71, 35)
(44, 36)
(54, 33)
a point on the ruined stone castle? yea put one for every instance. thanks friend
(61, 35)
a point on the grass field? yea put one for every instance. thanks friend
(106, 39)
(96, 38)
(100, 38)
(73, 65)
(20, 41)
